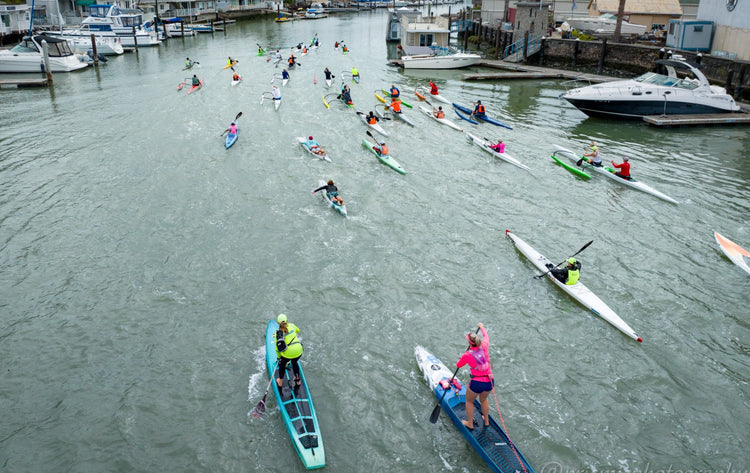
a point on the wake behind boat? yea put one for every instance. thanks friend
(610, 173)
(296, 408)
(577, 291)
(491, 443)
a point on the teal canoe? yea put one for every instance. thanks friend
(296, 407)
(387, 159)
(570, 168)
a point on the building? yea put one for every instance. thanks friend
(653, 14)
(418, 36)
(731, 20)
(14, 19)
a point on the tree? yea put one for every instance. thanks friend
(618, 26)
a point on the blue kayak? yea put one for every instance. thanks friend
(464, 117)
(296, 408)
(231, 139)
(492, 442)
(482, 117)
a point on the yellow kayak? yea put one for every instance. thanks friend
(379, 97)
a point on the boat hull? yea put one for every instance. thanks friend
(443, 121)
(632, 110)
(33, 62)
(453, 61)
(734, 252)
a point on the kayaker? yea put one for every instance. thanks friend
(336, 45)
(433, 88)
(479, 110)
(346, 96)
(482, 381)
(569, 274)
(439, 113)
(288, 348)
(196, 81)
(595, 158)
(372, 119)
(345, 49)
(291, 61)
(235, 77)
(232, 129)
(260, 50)
(355, 73)
(278, 54)
(498, 147)
(317, 43)
(314, 147)
(395, 93)
(624, 169)
(329, 74)
(332, 192)
(188, 63)
(231, 62)
(396, 106)
(276, 93)
(382, 150)
(284, 74)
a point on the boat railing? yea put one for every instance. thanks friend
(516, 51)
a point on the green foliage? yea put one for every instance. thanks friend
(581, 36)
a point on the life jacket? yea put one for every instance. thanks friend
(440, 114)
(573, 274)
(483, 368)
(480, 109)
(288, 345)
(499, 147)
(233, 129)
(291, 61)
(372, 120)
(396, 106)
(235, 77)
(230, 62)
(384, 150)
(395, 93)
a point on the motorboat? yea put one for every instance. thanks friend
(654, 94)
(604, 25)
(315, 11)
(440, 61)
(113, 21)
(105, 45)
(27, 56)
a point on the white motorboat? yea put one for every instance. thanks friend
(604, 25)
(108, 46)
(113, 21)
(440, 61)
(653, 94)
(27, 56)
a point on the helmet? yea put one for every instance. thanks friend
(571, 261)
(625, 159)
(281, 318)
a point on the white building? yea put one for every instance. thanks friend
(731, 26)
(14, 19)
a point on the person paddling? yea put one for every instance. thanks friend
(624, 169)
(433, 89)
(395, 93)
(595, 158)
(332, 191)
(482, 381)
(288, 349)
(396, 106)
(284, 74)
(315, 148)
(232, 129)
(568, 275)
(276, 93)
(372, 119)
(439, 113)
(498, 147)
(292, 61)
(355, 74)
(195, 81)
(382, 150)
(329, 74)
(479, 110)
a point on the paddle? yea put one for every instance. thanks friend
(235, 119)
(375, 139)
(436, 411)
(566, 259)
(260, 408)
(315, 79)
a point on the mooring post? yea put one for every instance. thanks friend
(47, 70)
(602, 56)
(135, 39)
(575, 51)
(93, 48)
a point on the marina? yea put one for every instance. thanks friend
(143, 260)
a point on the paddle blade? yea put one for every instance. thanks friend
(435, 414)
(315, 80)
(238, 116)
(260, 408)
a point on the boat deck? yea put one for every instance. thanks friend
(706, 119)
(20, 83)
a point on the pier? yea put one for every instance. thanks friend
(21, 83)
(708, 119)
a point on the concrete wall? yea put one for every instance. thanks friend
(732, 40)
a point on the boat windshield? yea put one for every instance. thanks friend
(665, 81)
(26, 46)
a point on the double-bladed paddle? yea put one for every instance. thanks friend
(235, 119)
(436, 411)
(566, 259)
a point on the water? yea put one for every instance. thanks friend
(141, 261)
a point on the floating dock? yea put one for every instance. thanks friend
(708, 119)
(20, 83)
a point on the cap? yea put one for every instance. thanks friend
(233, 123)
(474, 338)
(571, 260)
(624, 159)
(281, 319)
(382, 143)
(309, 137)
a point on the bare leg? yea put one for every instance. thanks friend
(485, 403)
(470, 397)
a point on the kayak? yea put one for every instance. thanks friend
(325, 102)
(328, 82)
(610, 173)
(304, 142)
(485, 145)
(284, 82)
(577, 291)
(355, 79)
(491, 443)
(234, 63)
(347, 104)
(375, 127)
(440, 98)
(482, 117)
(276, 103)
(572, 169)
(402, 117)
(419, 95)
(380, 99)
(444, 121)
(338, 208)
(388, 94)
(235, 82)
(195, 87)
(261, 53)
(296, 408)
(231, 139)
(464, 117)
(733, 251)
(387, 159)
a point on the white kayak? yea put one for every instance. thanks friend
(304, 142)
(485, 145)
(284, 81)
(329, 82)
(610, 173)
(235, 82)
(375, 127)
(577, 291)
(402, 117)
(734, 252)
(444, 121)
(276, 103)
(426, 93)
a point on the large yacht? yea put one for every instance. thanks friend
(654, 94)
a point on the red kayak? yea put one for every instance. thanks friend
(195, 87)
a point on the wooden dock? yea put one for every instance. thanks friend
(518, 71)
(708, 119)
(20, 83)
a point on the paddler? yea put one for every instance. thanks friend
(235, 77)
(188, 63)
(329, 74)
(498, 147)
(482, 381)
(595, 158)
(624, 169)
(332, 192)
(395, 93)
(569, 274)
(314, 147)
(355, 74)
(232, 129)
(346, 95)
(288, 348)
(260, 50)
(196, 82)
(479, 110)
(439, 113)
(291, 61)
(382, 150)
(276, 93)
(278, 55)
(396, 106)
(433, 89)
(372, 119)
(285, 74)
(231, 62)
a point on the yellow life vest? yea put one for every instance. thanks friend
(573, 275)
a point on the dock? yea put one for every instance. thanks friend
(518, 71)
(706, 119)
(20, 83)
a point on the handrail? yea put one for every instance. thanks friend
(515, 51)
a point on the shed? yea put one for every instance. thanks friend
(690, 35)
(649, 13)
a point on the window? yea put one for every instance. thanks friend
(426, 39)
(671, 28)
(698, 29)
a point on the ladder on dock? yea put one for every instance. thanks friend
(517, 51)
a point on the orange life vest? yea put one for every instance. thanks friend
(396, 106)
(480, 109)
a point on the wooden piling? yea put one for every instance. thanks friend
(93, 48)
(602, 56)
(47, 70)
(135, 39)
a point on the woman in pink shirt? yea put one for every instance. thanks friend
(482, 382)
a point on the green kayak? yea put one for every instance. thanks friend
(570, 168)
(387, 159)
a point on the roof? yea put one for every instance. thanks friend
(638, 7)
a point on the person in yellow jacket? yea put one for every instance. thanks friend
(569, 274)
(288, 348)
